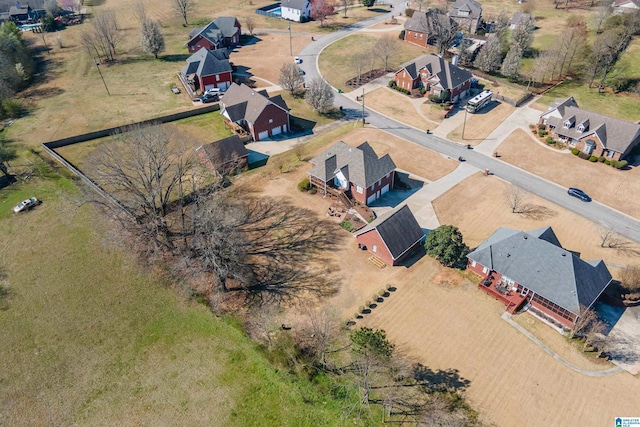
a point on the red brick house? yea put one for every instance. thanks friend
(255, 112)
(355, 171)
(224, 157)
(392, 237)
(419, 29)
(436, 75)
(208, 69)
(531, 270)
(593, 133)
(224, 31)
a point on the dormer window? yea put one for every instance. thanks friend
(581, 128)
(584, 126)
(569, 122)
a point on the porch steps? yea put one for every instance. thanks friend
(377, 261)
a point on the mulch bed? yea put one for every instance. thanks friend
(365, 78)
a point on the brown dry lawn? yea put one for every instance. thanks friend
(604, 183)
(477, 207)
(399, 106)
(481, 124)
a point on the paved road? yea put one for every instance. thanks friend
(594, 211)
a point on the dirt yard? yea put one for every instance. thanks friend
(604, 183)
(481, 124)
(477, 207)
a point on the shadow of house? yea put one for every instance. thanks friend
(255, 112)
(392, 237)
(225, 157)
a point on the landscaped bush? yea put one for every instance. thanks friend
(575, 151)
(392, 84)
(401, 35)
(550, 140)
(9, 109)
(346, 225)
(607, 162)
(401, 89)
(305, 184)
(583, 155)
(541, 126)
(423, 90)
(601, 159)
(593, 159)
(619, 164)
(542, 132)
(409, 12)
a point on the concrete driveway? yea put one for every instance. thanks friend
(624, 336)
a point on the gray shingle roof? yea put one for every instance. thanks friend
(536, 260)
(225, 150)
(398, 229)
(448, 75)
(241, 102)
(423, 22)
(615, 134)
(207, 62)
(360, 165)
(466, 9)
(222, 26)
(294, 4)
(519, 16)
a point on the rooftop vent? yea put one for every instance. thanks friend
(524, 237)
(564, 254)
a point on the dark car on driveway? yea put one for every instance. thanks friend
(209, 97)
(576, 192)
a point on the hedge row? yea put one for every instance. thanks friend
(618, 164)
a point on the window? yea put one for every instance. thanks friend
(421, 36)
(379, 183)
(610, 154)
(374, 248)
(473, 263)
(359, 189)
(415, 35)
(566, 124)
(270, 121)
(484, 270)
(217, 77)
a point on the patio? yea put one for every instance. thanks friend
(495, 286)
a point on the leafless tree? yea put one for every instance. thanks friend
(345, 6)
(570, 44)
(386, 48)
(290, 78)
(444, 30)
(359, 61)
(262, 325)
(250, 24)
(593, 333)
(630, 278)
(604, 10)
(607, 237)
(606, 50)
(585, 318)
(184, 8)
(320, 95)
(522, 34)
(102, 37)
(516, 198)
(490, 56)
(139, 12)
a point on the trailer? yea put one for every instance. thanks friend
(479, 101)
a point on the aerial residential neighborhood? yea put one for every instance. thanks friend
(313, 212)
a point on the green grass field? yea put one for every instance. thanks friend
(622, 107)
(90, 338)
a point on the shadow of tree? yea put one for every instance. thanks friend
(537, 212)
(174, 57)
(438, 380)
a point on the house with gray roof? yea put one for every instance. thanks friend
(295, 10)
(520, 18)
(422, 27)
(594, 134)
(468, 15)
(255, 112)
(435, 75)
(222, 32)
(626, 6)
(392, 237)
(531, 269)
(224, 157)
(207, 69)
(358, 172)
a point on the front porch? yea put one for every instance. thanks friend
(495, 286)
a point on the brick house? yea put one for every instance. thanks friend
(467, 14)
(392, 237)
(295, 10)
(224, 31)
(435, 75)
(419, 29)
(626, 6)
(255, 112)
(357, 172)
(593, 133)
(224, 157)
(532, 270)
(208, 69)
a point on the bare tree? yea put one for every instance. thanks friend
(593, 333)
(320, 95)
(359, 61)
(522, 34)
(607, 237)
(290, 78)
(570, 44)
(444, 30)
(102, 37)
(139, 12)
(606, 50)
(585, 318)
(490, 56)
(184, 8)
(604, 10)
(51, 7)
(386, 48)
(345, 6)
(630, 278)
(516, 198)
(250, 24)
(372, 55)
(151, 38)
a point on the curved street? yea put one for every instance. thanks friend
(594, 211)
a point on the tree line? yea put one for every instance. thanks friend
(16, 67)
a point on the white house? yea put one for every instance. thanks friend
(626, 6)
(295, 10)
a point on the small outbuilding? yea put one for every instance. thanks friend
(224, 157)
(392, 237)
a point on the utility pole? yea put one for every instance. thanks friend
(464, 124)
(363, 122)
(290, 45)
(102, 77)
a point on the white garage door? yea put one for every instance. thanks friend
(223, 86)
(371, 198)
(385, 189)
(263, 135)
(276, 130)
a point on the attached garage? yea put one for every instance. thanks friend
(263, 135)
(384, 190)
(276, 130)
(372, 198)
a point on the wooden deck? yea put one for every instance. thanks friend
(511, 299)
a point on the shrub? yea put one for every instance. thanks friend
(9, 109)
(382, 292)
(434, 98)
(583, 155)
(542, 132)
(550, 140)
(409, 12)
(361, 309)
(601, 159)
(367, 304)
(541, 126)
(346, 225)
(313, 190)
(607, 162)
(593, 159)
(575, 151)
(305, 184)
(423, 90)
(389, 286)
(392, 84)
(401, 35)
(620, 164)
